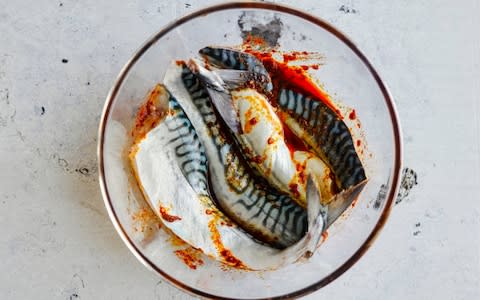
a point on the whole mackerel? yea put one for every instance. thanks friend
(170, 163)
(267, 214)
(310, 119)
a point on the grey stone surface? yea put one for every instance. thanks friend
(58, 60)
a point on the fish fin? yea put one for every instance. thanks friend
(224, 105)
(219, 94)
(232, 59)
(239, 78)
(235, 78)
(209, 79)
(317, 220)
(316, 211)
(342, 201)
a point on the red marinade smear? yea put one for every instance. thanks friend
(167, 217)
(294, 189)
(294, 143)
(292, 77)
(189, 257)
(324, 236)
(352, 115)
(289, 57)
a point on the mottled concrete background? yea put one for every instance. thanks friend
(58, 60)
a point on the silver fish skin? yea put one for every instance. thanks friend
(280, 175)
(263, 142)
(178, 137)
(219, 94)
(270, 216)
(170, 165)
(189, 151)
(232, 60)
(326, 133)
(197, 227)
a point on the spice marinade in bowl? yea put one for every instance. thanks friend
(232, 140)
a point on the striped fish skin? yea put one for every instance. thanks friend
(158, 159)
(190, 154)
(326, 133)
(260, 134)
(171, 167)
(268, 215)
(236, 60)
(189, 151)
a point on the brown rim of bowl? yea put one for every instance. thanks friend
(394, 176)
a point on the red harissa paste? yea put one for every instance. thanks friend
(294, 78)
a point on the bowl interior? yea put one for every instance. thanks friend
(345, 75)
